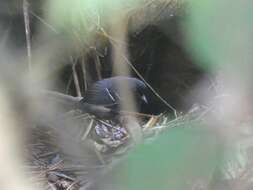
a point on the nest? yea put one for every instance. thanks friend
(98, 143)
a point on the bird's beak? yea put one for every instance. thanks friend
(144, 98)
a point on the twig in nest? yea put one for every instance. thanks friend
(109, 125)
(84, 116)
(55, 166)
(136, 114)
(100, 157)
(51, 187)
(151, 122)
(71, 186)
(87, 131)
(62, 175)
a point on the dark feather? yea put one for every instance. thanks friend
(106, 93)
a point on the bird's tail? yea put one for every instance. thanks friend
(70, 102)
(98, 111)
(67, 101)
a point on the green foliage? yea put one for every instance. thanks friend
(220, 32)
(182, 157)
(80, 22)
(85, 14)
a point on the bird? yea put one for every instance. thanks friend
(104, 98)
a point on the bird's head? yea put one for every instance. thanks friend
(141, 91)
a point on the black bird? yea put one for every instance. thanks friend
(106, 95)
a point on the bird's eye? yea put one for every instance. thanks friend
(144, 98)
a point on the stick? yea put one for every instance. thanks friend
(150, 87)
(97, 64)
(27, 33)
(84, 73)
(76, 81)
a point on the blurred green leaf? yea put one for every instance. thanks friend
(80, 21)
(220, 33)
(68, 15)
(179, 159)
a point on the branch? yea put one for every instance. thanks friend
(27, 33)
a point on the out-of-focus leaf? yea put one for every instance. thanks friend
(80, 21)
(69, 15)
(181, 158)
(220, 33)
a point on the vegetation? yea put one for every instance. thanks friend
(194, 55)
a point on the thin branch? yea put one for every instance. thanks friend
(87, 131)
(113, 41)
(27, 32)
(43, 21)
(137, 114)
(150, 87)
(97, 64)
(69, 83)
(84, 73)
(76, 81)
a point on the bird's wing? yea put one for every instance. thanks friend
(101, 94)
